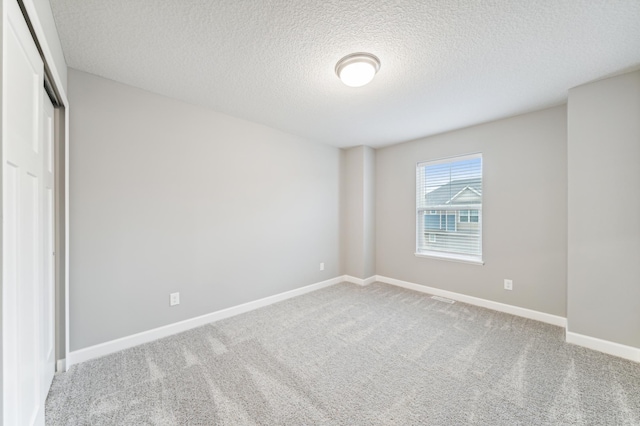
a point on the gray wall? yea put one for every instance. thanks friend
(1, 209)
(604, 206)
(524, 211)
(169, 197)
(359, 213)
(353, 229)
(369, 211)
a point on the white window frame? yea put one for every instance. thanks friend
(468, 216)
(434, 254)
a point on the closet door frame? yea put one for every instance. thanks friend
(54, 72)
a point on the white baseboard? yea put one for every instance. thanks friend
(106, 348)
(112, 346)
(608, 347)
(611, 348)
(496, 306)
(360, 281)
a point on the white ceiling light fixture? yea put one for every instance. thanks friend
(357, 69)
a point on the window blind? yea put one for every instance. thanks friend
(449, 207)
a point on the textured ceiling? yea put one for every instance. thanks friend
(445, 64)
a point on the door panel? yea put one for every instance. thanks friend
(48, 289)
(28, 300)
(23, 241)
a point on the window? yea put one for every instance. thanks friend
(449, 208)
(440, 220)
(466, 216)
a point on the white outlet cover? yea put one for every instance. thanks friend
(174, 299)
(322, 266)
(508, 284)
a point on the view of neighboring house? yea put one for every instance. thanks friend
(449, 226)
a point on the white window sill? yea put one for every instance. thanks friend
(452, 257)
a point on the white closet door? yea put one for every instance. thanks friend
(48, 283)
(22, 167)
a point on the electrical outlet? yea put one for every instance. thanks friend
(174, 299)
(322, 266)
(508, 284)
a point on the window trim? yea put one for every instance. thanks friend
(453, 257)
(443, 255)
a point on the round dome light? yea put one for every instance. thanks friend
(357, 69)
